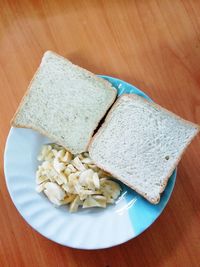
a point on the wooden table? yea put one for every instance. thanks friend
(154, 45)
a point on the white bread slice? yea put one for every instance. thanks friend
(64, 102)
(141, 143)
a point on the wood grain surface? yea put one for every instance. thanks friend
(154, 45)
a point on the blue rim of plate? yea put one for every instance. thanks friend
(140, 212)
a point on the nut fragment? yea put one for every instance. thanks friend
(71, 168)
(68, 199)
(75, 204)
(78, 164)
(85, 177)
(67, 157)
(55, 190)
(58, 166)
(40, 187)
(94, 201)
(87, 160)
(96, 181)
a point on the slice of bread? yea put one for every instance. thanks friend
(141, 143)
(65, 103)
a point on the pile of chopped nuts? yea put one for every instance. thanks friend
(73, 179)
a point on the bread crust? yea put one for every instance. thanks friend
(108, 86)
(103, 127)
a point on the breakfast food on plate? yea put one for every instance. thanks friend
(141, 143)
(65, 103)
(73, 179)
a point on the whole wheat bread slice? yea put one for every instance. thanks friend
(141, 143)
(64, 102)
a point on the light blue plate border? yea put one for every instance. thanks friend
(142, 214)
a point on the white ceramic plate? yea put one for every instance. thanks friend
(87, 229)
